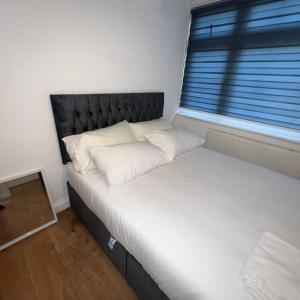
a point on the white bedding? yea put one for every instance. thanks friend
(272, 269)
(192, 223)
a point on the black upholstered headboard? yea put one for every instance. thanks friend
(74, 114)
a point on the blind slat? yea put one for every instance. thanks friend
(248, 71)
(251, 64)
(286, 110)
(251, 93)
(247, 58)
(237, 76)
(268, 115)
(246, 117)
(259, 84)
(268, 100)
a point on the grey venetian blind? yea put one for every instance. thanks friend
(243, 61)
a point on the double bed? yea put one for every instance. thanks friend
(183, 230)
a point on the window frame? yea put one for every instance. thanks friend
(219, 118)
(277, 132)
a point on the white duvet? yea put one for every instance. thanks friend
(272, 269)
(192, 223)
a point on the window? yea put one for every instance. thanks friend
(243, 61)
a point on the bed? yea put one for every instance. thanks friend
(183, 230)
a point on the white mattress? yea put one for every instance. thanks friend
(192, 223)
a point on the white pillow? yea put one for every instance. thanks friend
(121, 163)
(116, 134)
(175, 141)
(141, 129)
(71, 143)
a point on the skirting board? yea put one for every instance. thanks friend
(61, 204)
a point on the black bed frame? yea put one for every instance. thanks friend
(74, 114)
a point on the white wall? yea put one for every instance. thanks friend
(79, 46)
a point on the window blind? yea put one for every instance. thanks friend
(243, 61)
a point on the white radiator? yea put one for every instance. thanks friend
(272, 157)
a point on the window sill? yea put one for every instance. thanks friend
(268, 130)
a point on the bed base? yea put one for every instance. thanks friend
(137, 278)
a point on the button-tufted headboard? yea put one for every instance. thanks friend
(74, 114)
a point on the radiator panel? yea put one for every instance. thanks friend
(281, 160)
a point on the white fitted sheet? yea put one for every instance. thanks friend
(192, 223)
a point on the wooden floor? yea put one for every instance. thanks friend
(26, 209)
(60, 262)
